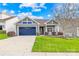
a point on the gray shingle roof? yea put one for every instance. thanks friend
(6, 18)
(41, 22)
(3, 20)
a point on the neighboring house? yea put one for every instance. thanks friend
(7, 22)
(69, 27)
(28, 26)
(3, 18)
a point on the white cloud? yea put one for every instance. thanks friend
(23, 14)
(48, 15)
(26, 14)
(29, 14)
(42, 5)
(36, 10)
(27, 5)
(12, 12)
(19, 11)
(33, 5)
(4, 4)
(4, 11)
(8, 12)
(36, 17)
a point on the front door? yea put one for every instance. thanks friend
(41, 30)
(49, 31)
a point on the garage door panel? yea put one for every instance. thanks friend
(27, 30)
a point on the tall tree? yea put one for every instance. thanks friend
(67, 11)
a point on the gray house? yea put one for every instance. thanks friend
(29, 26)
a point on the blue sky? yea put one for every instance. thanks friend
(36, 10)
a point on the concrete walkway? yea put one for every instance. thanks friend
(50, 54)
(16, 45)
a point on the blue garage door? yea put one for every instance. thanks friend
(27, 30)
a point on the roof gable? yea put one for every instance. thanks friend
(28, 19)
(4, 16)
(41, 22)
(51, 22)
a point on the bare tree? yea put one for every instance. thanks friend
(67, 11)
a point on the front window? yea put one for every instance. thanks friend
(27, 22)
(49, 29)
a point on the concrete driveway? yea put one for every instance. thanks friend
(22, 46)
(18, 45)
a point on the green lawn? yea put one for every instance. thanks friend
(3, 36)
(54, 44)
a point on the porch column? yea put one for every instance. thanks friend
(37, 29)
(46, 28)
(17, 30)
(56, 29)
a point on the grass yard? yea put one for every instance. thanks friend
(3, 36)
(54, 44)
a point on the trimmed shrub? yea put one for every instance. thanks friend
(11, 33)
(2, 31)
(60, 33)
(37, 34)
